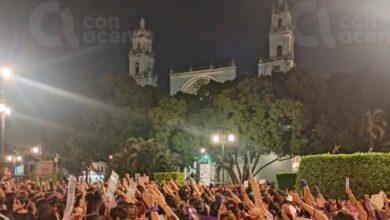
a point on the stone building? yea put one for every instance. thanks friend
(141, 57)
(189, 81)
(281, 41)
(280, 57)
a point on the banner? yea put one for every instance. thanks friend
(131, 189)
(19, 170)
(205, 174)
(112, 184)
(70, 197)
(378, 200)
(44, 167)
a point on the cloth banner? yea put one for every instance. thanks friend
(44, 167)
(205, 174)
(70, 197)
(378, 200)
(112, 184)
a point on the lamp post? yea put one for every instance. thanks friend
(202, 151)
(5, 73)
(223, 138)
(13, 159)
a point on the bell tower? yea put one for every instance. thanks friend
(141, 57)
(281, 41)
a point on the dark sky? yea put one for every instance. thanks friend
(351, 36)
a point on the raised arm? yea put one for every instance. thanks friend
(361, 212)
(310, 209)
(256, 191)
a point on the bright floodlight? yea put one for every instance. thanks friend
(216, 139)
(35, 150)
(9, 158)
(7, 110)
(203, 150)
(231, 138)
(19, 158)
(6, 72)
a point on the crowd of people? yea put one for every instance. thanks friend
(24, 200)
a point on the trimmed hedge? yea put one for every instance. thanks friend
(179, 177)
(369, 173)
(286, 180)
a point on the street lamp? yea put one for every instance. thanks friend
(5, 73)
(13, 159)
(35, 150)
(19, 158)
(4, 111)
(223, 139)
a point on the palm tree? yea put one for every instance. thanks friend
(144, 156)
(373, 125)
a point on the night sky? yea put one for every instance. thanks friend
(195, 32)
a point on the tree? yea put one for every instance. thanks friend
(119, 111)
(263, 122)
(252, 109)
(171, 129)
(138, 155)
(373, 126)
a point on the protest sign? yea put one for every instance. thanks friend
(70, 197)
(44, 168)
(112, 184)
(378, 200)
(205, 174)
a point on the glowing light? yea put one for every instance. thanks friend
(19, 158)
(231, 138)
(6, 72)
(216, 139)
(203, 150)
(7, 110)
(9, 158)
(35, 150)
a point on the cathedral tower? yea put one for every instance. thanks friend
(281, 41)
(141, 57)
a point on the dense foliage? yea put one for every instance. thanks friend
(177, 176)
(286, 180)
(369, 173)
(288, 114)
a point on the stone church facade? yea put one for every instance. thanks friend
(141, 57)
(281, 41)
(280, 57)
(191, 80)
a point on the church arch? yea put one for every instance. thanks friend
(193, 85)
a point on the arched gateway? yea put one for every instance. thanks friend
(190, 81)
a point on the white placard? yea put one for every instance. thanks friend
(70, 197)
(131, 190)
(205, 174)
(112, 184)
(378, 200)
